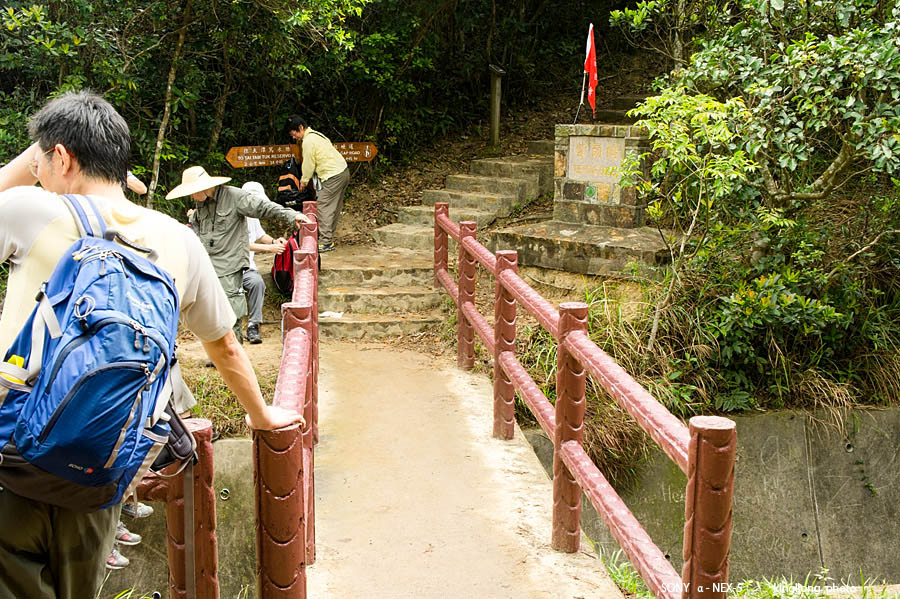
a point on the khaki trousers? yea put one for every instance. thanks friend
(233, 284)
(330, 203)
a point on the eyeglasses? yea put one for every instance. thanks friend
(33, 165)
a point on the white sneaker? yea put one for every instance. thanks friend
(125, 536)
(116, 561)
(136, 509)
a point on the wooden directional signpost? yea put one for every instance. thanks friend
(357, 151)
(244, 156)
(276, 155)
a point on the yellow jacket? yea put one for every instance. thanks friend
(320, 157)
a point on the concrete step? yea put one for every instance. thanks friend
(378, 300)
(612, 117)
(627, 102)
(424, 216)
(524, 190)
(610, 215)
(413, 237)
(499, 204)
(518, 167)
(368, 265)
(379, 326)
(593, 250)
(544, 147)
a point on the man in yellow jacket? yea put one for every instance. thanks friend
(320, 157)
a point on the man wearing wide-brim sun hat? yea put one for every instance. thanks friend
(219, 220)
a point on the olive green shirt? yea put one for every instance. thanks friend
(221, 224)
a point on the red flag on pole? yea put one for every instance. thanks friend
(590, 67)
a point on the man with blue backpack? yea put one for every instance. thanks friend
(95, 290)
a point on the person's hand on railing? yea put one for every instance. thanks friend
(277, 246)
(274, 417)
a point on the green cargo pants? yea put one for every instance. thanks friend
(233, 284)
(48, 552)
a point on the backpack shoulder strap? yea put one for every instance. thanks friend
(90, 223)
(87, 218)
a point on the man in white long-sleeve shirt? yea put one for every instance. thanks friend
(253, 283)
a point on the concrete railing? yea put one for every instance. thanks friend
(704, 450)
(283, 459)
(168, 487)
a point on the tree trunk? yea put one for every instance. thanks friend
(679, 33)
(221, 101)
(167, 112)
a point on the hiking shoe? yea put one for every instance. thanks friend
(136, 509)
(125, 536)
(116, 561)
(253, 334)
(326, 247)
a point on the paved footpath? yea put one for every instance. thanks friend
(415, 499)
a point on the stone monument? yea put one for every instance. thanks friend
(597, 226)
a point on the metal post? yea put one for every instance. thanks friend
(708, 507)
(570, 377)
(496, 75)
(171, 490)
(440, 241)
(504, 340)
(465, 349)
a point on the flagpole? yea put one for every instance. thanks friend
(581, 103)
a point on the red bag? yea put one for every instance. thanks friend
(283, 268)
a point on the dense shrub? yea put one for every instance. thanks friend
(776, 150)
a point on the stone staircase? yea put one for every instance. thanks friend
(368, 292)
(493, 188)
(617, 111)
(388, 290)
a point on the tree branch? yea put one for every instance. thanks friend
(860, 251)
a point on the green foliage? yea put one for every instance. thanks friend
(394, 72)
(625, 576)
(4, 277)
(215, 401)
(667, 26)
(772, 155)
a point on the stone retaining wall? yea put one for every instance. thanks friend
(805, 498)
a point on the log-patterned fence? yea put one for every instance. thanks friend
(704, 450)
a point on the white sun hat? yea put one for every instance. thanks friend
(194, 179)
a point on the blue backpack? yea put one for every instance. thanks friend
(81, 388)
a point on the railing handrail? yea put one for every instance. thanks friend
(284, 459)
(708, 502)
(651, 415)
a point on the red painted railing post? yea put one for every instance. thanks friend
(311, 210)
(504, 340)
(570, 402)
(154, 487)
(440, 242)
(281, 510)
(708, 507)
(465, 342)
(280, 514)
(295, 315)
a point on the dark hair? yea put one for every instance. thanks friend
(90, 128)
(294, 123)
